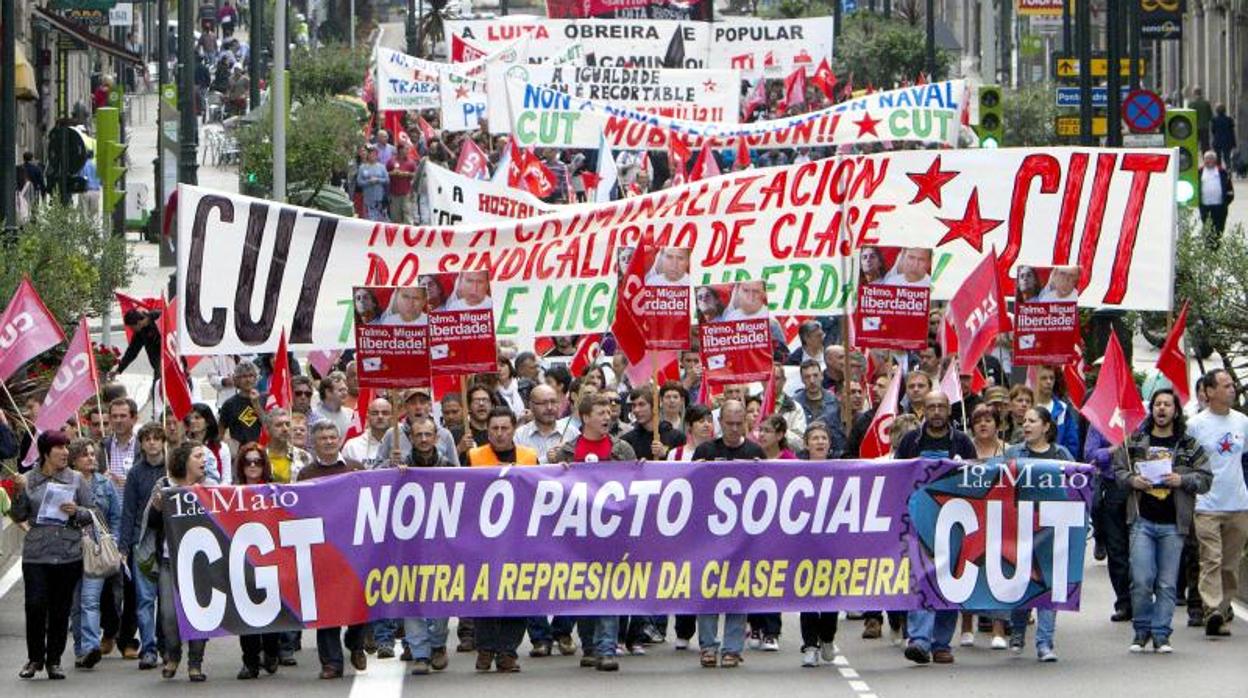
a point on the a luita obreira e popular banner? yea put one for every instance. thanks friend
(734, 331)
(1046, 315)
(628, 538)
(894, 290)
(391, 336)
(247, 267)
(546, 118)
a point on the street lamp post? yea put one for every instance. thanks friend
(931, 39)
(277, 100)
(188, 131)
(8, 117)
(253, 55)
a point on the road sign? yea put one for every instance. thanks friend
(1069, 96)
(1069, 126)
(1143, 111)
(1067, 67)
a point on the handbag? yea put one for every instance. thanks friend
(100, 557)
(146, 553)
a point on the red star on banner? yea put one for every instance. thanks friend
(930, 182)
(867, 125)
(972, 227)
(975, 545)
(461, 92)
(709, 86)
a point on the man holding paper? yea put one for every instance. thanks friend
(1165, 469)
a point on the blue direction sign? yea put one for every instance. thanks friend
(1069, 96)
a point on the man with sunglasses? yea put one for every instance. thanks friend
(302, 389)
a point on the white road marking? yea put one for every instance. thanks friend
(859, 686)
(10, 578)
(384, 678)
(847, 672)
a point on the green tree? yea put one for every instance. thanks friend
(792, 9)
(323, 136)
(328, 70)
(882, 52)
(73, 264)
(1028, 114)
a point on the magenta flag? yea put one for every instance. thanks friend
(73, 384)
(26, 330)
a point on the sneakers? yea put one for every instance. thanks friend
(999, 642)
(420, 667)
(1213, 624)
(1046, 655)
(755, 640)
(607, 664)
(637, 650)
(1139, 643)
(439, 660)
(653, 636)
(942, 657)
(917, 654)
(681, 643)
(827, 651)
(1162, 645)
(968, 640)
(1017, 642)
(147, 661)
(506, 664)
(872, 629)
(771, 643)
(810, 657)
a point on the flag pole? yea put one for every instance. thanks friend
(17, 410)
(395, 451)
(654, 414)
(957, 366)
(847, 419)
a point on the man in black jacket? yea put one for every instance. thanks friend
(145, 325)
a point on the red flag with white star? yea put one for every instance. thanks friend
(1115, 407)
(1172, 362)
(824, 78)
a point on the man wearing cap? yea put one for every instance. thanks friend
(417, 404)
(998, 398)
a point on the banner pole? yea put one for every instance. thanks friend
(17, 410)
(463, 396)
(395, 451)
(654, 414)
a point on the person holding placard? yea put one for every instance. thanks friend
(1164, 469)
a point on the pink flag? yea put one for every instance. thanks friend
(757, 98)
(27, 330)
(705, 166)
(875, 443)
(977, 312)
(323, 360)
(795, 88)
(73, 384)
(473, 161)
(951, 383)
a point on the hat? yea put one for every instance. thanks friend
(411, 393)
(996, 393)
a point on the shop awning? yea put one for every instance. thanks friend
(85, 35)
(24, 76)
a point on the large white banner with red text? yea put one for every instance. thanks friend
(545, 118)
(248, 267)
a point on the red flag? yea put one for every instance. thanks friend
(662, 364)
(629, 325)
(426, 130)
(743, 153)
(75, 382)
(705, 166)
(473, 161)
(1076, 386)
(824, 78)
(279, 385)
(529, 173)
(678, 155)
(1115, 407)
(875, 443)
(757, 98)
(587, 351)
(768, 407)
(977, 312)
(176, 389)
(27, 329)
(129, 303)
(979, 382)
(359, 418)
(590, 180)
(1172, 362)
(323, 360)
(795, 88)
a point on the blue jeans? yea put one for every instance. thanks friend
(85, 616)
(931, 630)
(423, 635)
(734, 632)
(384, 631)
(1046, 624)
(540, 630)
(1155, 553)
(145, 591)
(606, 631)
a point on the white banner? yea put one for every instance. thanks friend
(463, 102)
(929, 113)
(754, 46)
(454, 198)
(248, 268)
(406, 82)
(771, 47)
(696, 95)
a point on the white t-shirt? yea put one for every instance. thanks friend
(1222, 437)
(365, 451)
(1210, 186)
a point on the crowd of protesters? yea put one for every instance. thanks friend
(1175, 541)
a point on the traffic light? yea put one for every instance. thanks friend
(110, 155)
(991, 128)
(1180, 132)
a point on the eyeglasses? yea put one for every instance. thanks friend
(253, 461)
(303, 393)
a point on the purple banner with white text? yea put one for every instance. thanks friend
(628, 538)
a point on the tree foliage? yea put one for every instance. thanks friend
(72, 263)
(323, 134)
(1028, 114)
(884, 52)
(327, 70)
(792, 9)
(1213, 276)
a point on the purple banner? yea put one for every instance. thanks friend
(628, 538)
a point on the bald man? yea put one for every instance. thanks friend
(731, 444)
(364, 451)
